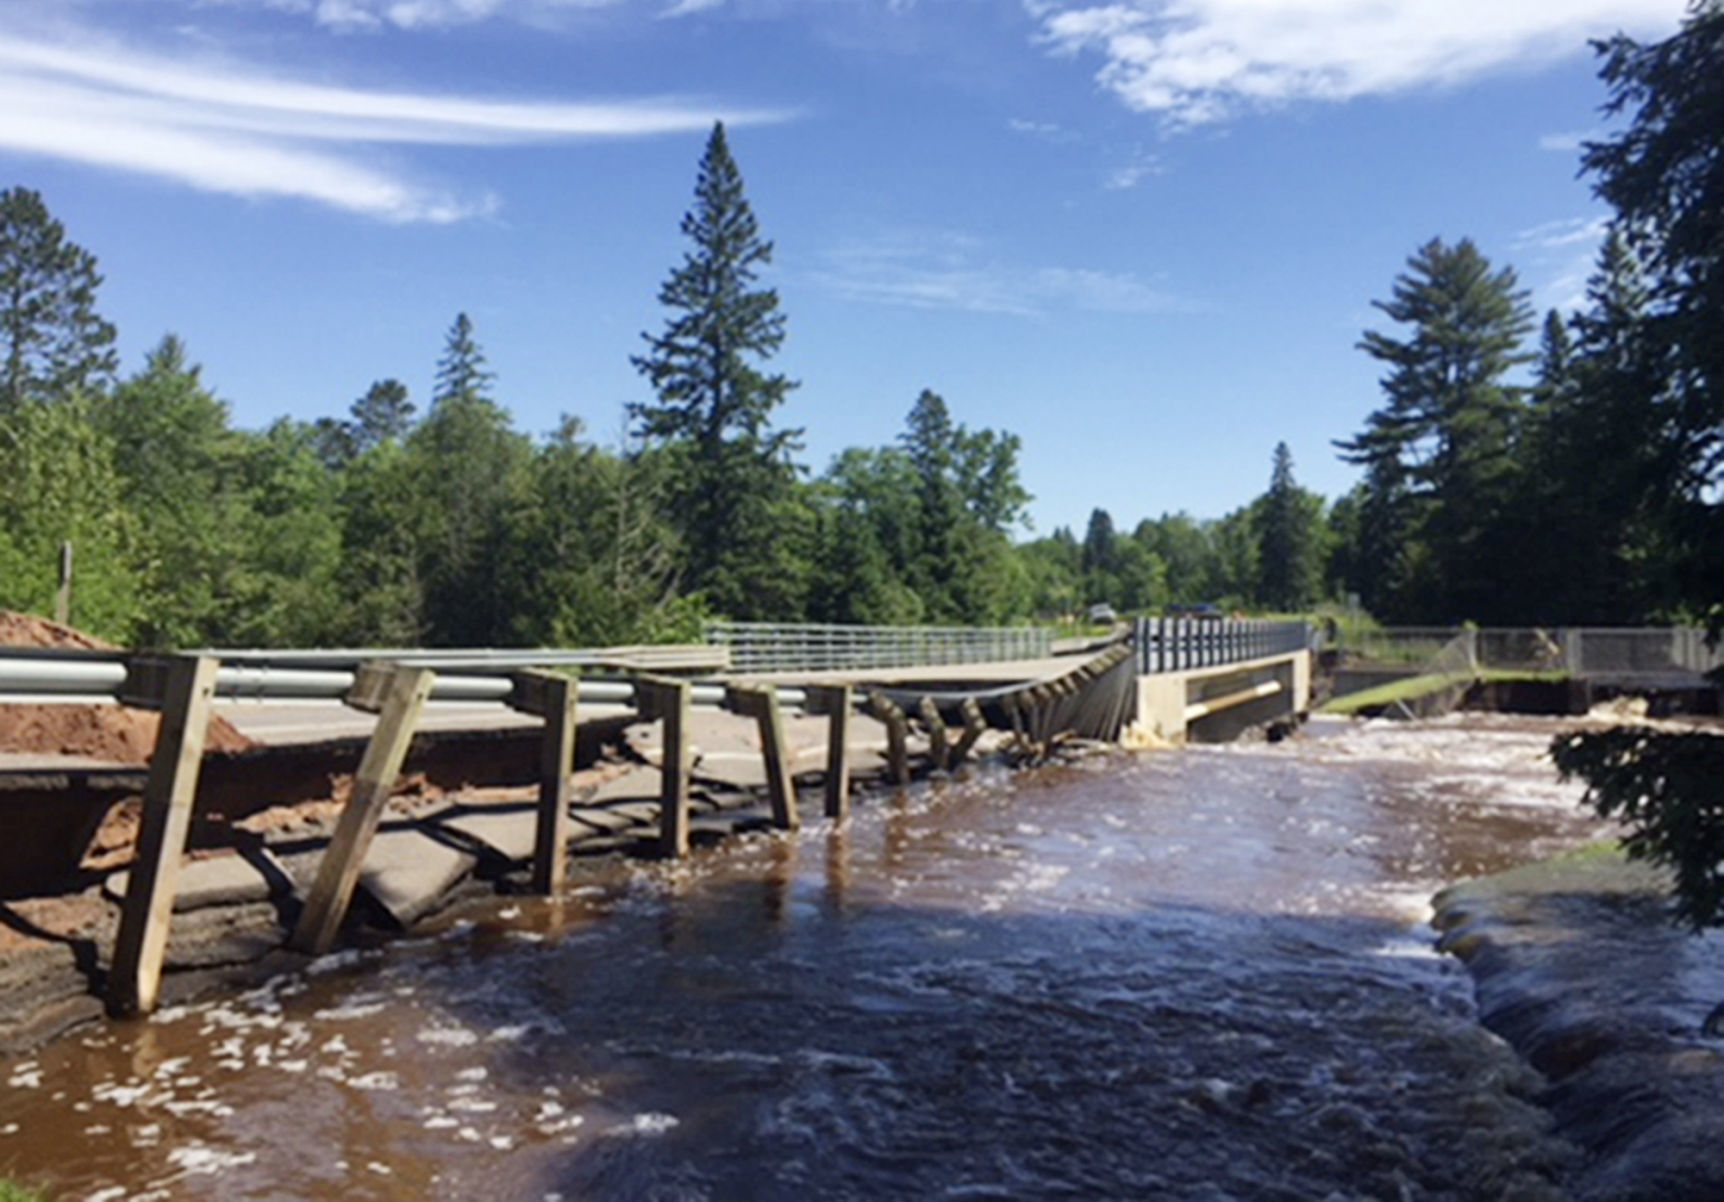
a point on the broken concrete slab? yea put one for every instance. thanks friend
(222, 880)
(409, 873)
(509, 833)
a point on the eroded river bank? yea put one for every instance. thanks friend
(1202, 975)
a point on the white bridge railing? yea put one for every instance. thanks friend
(818, 647)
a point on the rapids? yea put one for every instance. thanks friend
(1196, 975)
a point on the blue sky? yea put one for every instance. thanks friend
(1144, 235)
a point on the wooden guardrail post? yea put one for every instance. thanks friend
(938, 745)
(396, 695)
(833, 700)
(668, 701)
(760, 702)
(555, 699)
(897, 735)
(974, 727)
(183, 694)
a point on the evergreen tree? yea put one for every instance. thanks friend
(472, 471)
(592, 559)
(1289, 558)
(183, 467)
(734, 486)
(1100, 558)
(461, 371)
(55, 342)
(292, 542)
(1665, 176)
(383, 414)
(1440, 453)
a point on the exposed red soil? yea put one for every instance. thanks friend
(114, 733)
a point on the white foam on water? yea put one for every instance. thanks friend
(649, 1124)
(334, 962)
(380, 1081)
(448, 1037)
(201, 1158)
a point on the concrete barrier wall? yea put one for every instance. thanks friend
(1213, 704)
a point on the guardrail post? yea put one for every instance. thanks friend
(761, 703)
(974, 727)
(897, 735)
(184, 701)
(555, 699)
(833, 700)
(939, 747)
(668, 701)
(399, 694)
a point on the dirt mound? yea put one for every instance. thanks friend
(106, 732)
(27, 630)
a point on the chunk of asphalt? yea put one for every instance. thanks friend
(225, 880)
(408, 873)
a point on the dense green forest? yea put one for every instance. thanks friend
(1515, 471)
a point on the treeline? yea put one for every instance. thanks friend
(449, 526)
(1577, 480)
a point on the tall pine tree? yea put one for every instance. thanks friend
(52, 340)
(1289, 546)
(1447, 432)
(742, 525)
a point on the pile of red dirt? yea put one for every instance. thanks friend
(114, 733)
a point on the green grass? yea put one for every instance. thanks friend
(1414, 687)
(11, 1191)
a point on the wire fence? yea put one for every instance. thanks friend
(817, 647)
(1594, 651)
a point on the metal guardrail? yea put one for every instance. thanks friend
(817, 647)
(667, 657)
(73, 677)
(1175, 644)
(1620, 652)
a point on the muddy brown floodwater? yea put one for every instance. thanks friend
(1196, 975)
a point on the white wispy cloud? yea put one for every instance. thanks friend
(225, 127)
(945, 270)
(1129, 175)
(1560, 256)
(1053, 131)
(1201, 61)
(1572, 139)
(363, 15)
(687, 8)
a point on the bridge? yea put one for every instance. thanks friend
(942, 688)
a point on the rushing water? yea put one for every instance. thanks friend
(1194, 975)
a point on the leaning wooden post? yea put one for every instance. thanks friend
(397, 695)
(897, 735)
(555, 699)
(668, 700)
(974, 727)
(939, 747)
(833, 700)
(183, 694)
(760, 702)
